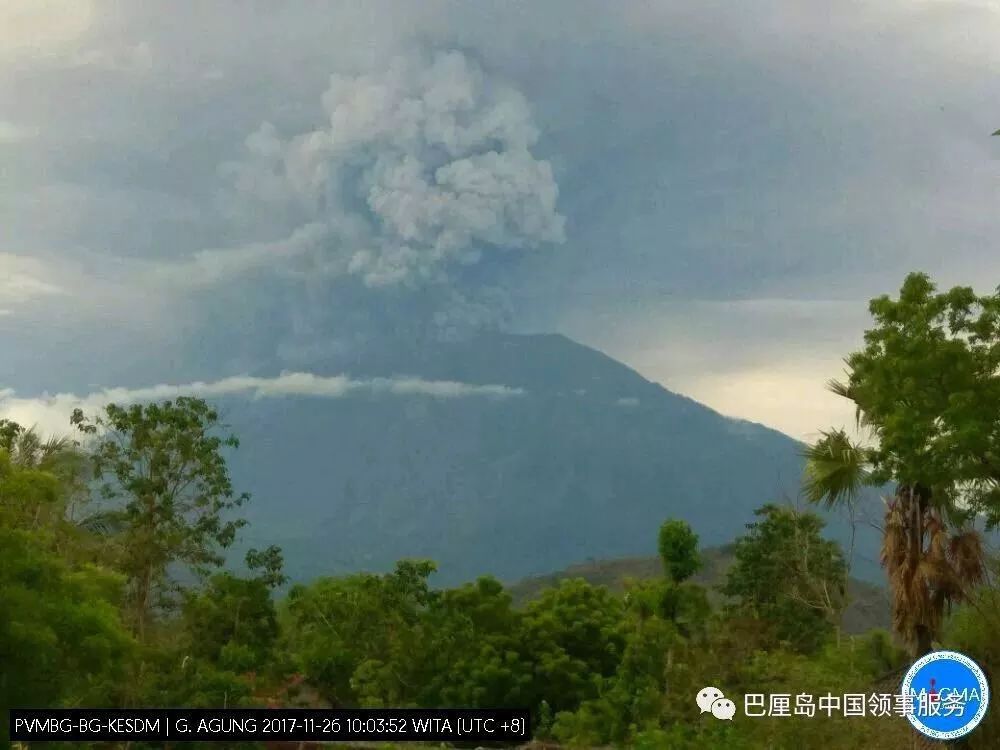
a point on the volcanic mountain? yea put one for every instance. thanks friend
(569, 455)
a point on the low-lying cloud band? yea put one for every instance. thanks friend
(50, 414)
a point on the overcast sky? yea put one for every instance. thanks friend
(708, 191)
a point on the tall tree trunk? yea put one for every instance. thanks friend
(142, 598)
(924, 642)
(915, 506)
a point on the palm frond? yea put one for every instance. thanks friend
(839, 388)
(929, 564)
(894, 539)
(29, 450)
(968, 557)
(103, 523)
(937, 548)
(836, 469)
(56, 446)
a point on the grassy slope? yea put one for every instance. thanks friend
(869, 607)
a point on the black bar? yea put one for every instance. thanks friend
(257, 725)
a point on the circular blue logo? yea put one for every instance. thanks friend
(945, 695)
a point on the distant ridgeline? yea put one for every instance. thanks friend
(579, 457)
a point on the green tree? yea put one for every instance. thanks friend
(786, 573)
(663, 620)
(221, 647)
(268, 565)
(926, 387)
(60, 633)
(576, 636)
(61, 638)
(27, 449)
(632, 698)
(472, 651)
(30, 499)
(45, 489)
(683, 604)
(346, 634)
(164, 478)
(972, 629)
(56, 495)
(678, 546)
(232, 621)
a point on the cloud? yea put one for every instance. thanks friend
(418, 169)
(38, 28)
(210, 267)
(11, 133)
(788, 149)
(396, 216)
(56, 35)
(51, 413)
(23, 279)
(766, 360)
(788, 395)
(51, 296)
(129, 58)
(18, 287)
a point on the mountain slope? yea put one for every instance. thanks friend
(586, 461)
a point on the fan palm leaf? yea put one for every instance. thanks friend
(836, 469)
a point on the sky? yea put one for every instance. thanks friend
(214, 193)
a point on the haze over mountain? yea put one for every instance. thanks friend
(575, 456)
(708, 193)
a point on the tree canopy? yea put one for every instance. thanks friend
(926, 386)
(164, 479)
(787, 574)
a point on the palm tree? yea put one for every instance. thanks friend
(66, 464)
(932, 559)
(27, 449)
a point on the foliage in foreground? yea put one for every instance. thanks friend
(594, 667)
(926, 389)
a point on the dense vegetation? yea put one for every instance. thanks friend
(114, 592)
